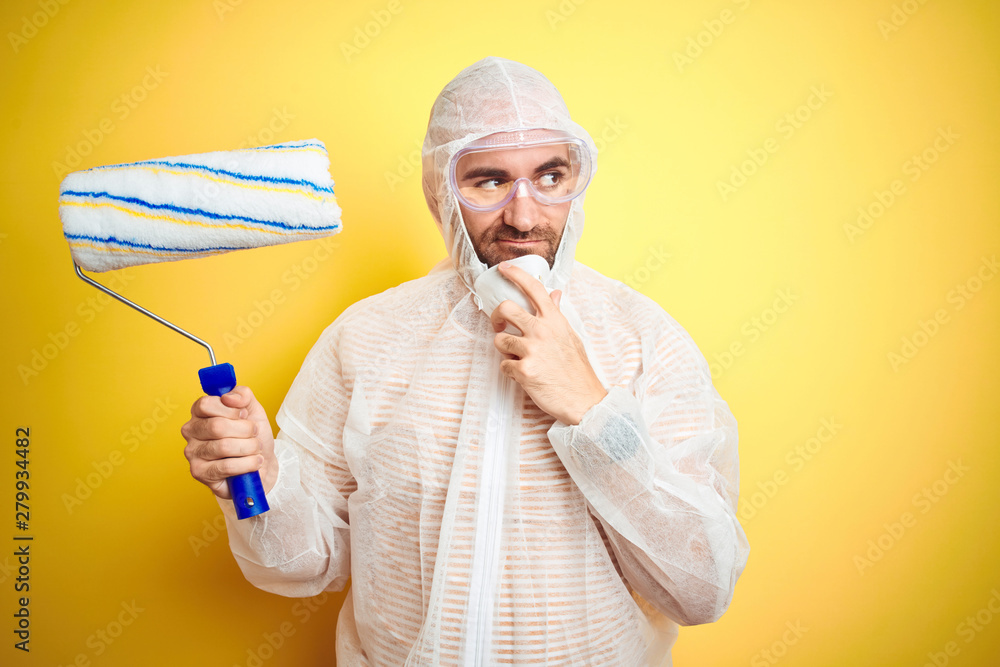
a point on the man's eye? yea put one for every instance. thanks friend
(550, 180)
(489, 184)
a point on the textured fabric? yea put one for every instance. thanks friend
(198, 205)
(476, 529)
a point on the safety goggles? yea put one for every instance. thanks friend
(553, 167)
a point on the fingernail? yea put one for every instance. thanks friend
(243, 413)
(260, 460)
(255, 429)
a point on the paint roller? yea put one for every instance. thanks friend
(193, 206)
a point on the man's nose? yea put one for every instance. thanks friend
(522, 212)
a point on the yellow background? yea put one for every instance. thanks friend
(234, 73)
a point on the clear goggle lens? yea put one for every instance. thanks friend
(486, 177)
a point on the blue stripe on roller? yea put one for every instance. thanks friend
(192, 211)
(146, 246)
(222, 172)
(291, 144)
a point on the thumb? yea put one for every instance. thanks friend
(556, 297)
(239, 397)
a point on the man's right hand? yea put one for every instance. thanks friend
(229, 435)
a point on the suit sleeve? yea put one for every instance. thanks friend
(301, 546)
(658, 464)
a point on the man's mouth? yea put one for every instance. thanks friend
(525, 239)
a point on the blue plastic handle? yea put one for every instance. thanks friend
(247, 490)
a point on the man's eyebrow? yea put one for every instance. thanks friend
(486, 172)
(497, 172)
(551, 164)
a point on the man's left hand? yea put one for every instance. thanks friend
(548, 359)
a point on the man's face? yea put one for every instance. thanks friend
(524, 226)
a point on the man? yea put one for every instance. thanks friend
(562, 491)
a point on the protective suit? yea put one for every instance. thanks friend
(475, 528)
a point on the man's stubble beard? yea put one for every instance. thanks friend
(489, 252)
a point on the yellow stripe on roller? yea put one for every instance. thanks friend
(87, 245)
(290, 149)
(168, 218)
(231, 181)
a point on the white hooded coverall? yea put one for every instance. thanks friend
(476, 529)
